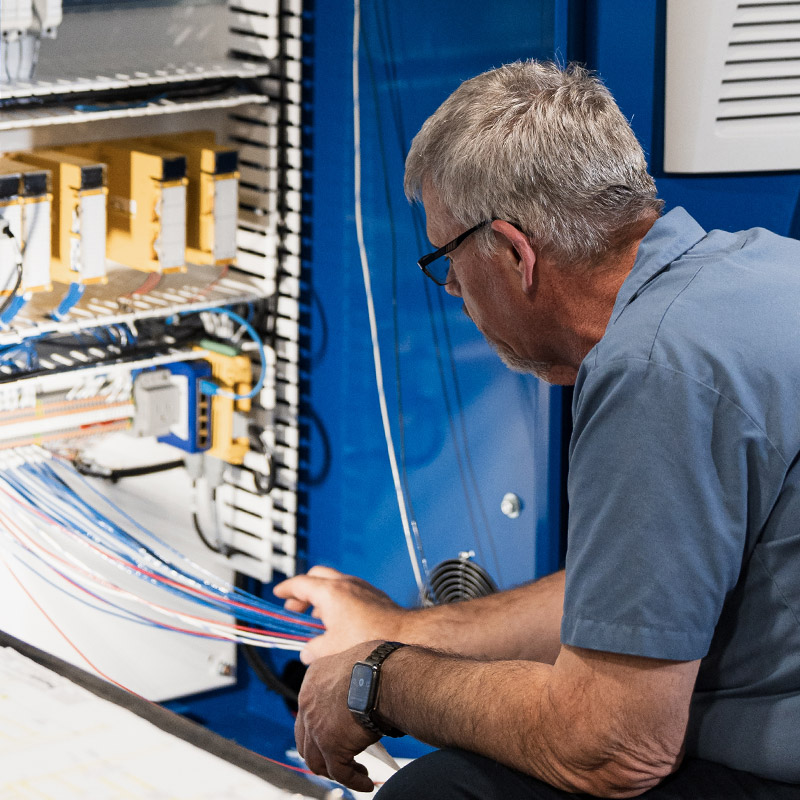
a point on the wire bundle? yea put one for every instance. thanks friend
(50, 521)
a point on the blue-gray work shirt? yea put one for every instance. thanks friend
(684, 486)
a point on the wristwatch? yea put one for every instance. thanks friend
(362, 697)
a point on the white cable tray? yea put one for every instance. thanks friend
(31, 117)
(115, 302)
(168, 74)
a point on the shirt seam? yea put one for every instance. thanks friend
(777, 586)
(650, 360)
(667, 309)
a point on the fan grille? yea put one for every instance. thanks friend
(457, 579)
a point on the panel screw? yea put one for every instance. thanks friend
(225, 669)
(511, 505)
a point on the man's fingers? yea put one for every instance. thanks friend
(314, 758)
(300, 734)
(306, 589)
(315, 649)
(320, 571)
(298, 606)
(350, 773)
(291, 587)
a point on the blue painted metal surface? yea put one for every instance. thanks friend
(472, 430)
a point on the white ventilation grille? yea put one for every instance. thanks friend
(732, 86)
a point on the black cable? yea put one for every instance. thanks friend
(225, 550)
(327, 457)
(259, 662)
(264, 483)
(392, 81)
(114, 475)
(18, 265)
(322, 349)
(266, 674)
(202, 536)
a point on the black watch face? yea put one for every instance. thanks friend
(359, 698)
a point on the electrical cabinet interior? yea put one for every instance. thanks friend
(166, 141)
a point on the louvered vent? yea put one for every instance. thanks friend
(761, 78)
(733, 86)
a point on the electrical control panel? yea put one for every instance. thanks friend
(150, 175)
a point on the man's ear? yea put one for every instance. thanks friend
(521, 246)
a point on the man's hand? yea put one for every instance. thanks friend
(327, 734)
(352, 610)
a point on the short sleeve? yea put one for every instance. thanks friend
(658, 510)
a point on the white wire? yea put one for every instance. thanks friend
(30, 530)
(373, 326)
(81, 573)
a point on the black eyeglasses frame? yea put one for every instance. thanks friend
(428, 258)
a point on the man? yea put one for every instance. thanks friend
(665, 660)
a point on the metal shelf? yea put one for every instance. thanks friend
(30, 117)
(168, 75)
(200, 288)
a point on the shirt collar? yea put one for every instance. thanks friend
(670, 237)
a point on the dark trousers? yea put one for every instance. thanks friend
(459, 775)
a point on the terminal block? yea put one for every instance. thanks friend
(146, 204)
(79, 215)
(212, 194)
(233, 374)
(28, 204)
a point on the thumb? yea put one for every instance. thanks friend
(314, 649)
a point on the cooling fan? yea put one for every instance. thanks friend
(458, 579)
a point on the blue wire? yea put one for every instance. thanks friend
(69, 301)
(209, 387)
(14, 307)
(221, 601)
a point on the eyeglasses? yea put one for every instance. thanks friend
(439, 272)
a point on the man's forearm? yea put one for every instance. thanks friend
(574, 732)
(455, 702)
(484, 629)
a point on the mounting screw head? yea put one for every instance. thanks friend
(511, 505)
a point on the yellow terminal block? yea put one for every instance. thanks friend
(32, 222)
(213, 196)
(146, 204)
(78, 232)
(232, 374)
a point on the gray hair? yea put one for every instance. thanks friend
(543, 147)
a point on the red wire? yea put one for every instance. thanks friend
(154, 576)
(200, 592)
(64, 635)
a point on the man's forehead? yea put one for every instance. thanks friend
(440, 224)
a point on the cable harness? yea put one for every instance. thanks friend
(56, 524)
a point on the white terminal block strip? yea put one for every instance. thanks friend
(171, 242)
(50, 14)
(88, 241)
(16, 17)
(10, 245)
(226, 218)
